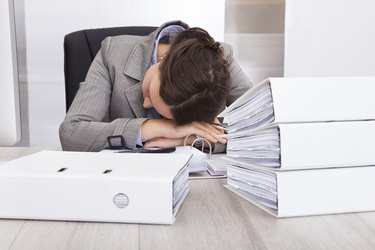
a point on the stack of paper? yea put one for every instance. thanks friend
(214, 164)
(304, 146)
(198, 160)
(217, 165)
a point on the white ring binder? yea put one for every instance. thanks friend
(201, 140)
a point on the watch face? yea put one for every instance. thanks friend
(203, 144)
(198, 142)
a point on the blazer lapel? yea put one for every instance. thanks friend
(136, 67)
(135, 98)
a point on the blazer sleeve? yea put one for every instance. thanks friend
(240, 83)
(86, 126)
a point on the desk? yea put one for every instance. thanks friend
(210, 218)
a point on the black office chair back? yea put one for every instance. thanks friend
(80, 49)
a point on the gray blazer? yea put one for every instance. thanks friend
(110, 101)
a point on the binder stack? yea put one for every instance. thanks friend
(304, 146)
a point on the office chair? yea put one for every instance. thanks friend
(80, 49)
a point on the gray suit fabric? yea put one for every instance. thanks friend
(110, 101)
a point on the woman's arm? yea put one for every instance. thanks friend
(86, 125)
(181, 135)
(163, 128)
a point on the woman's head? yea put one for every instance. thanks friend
(192, 81)
(194, 77)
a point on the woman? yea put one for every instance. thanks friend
(154, 91)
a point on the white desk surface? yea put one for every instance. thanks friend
(210, 218)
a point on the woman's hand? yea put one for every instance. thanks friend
(156, 128)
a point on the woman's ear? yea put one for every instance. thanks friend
(147, 103)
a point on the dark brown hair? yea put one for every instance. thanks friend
(194, 77)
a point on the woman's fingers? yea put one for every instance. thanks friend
(207, 131)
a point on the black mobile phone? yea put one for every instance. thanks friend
(149, 150)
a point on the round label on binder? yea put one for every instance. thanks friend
(121, 200)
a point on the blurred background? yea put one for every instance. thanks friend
(270, 37)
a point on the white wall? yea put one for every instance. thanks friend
(42, 25)
(329, 38)
(255, 28)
